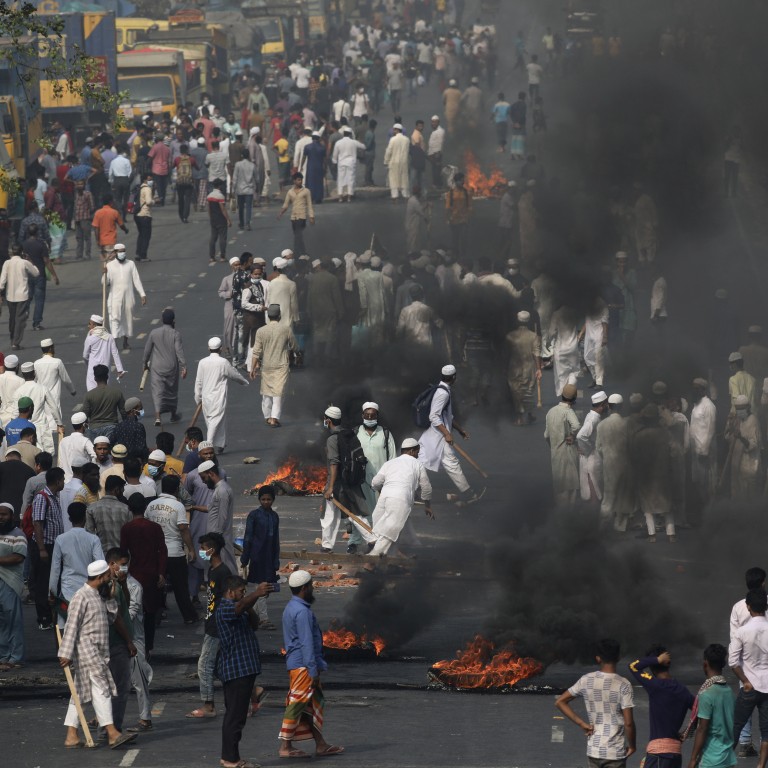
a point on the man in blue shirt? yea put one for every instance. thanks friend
(500, 116)
(16, 426)
(238, 662)
(303, 640)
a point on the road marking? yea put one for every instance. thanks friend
(202, 274)
(157, 710)
(154, 322)
(129, 757)
(141, 335)
(179, 295)
(191, 285)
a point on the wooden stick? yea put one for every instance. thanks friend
(75, 698)
(726, 465)
(373, 240)
(463, 453)
(104, 298)
(352, 516)
(143, 379)
(538, 393)
(191, 424)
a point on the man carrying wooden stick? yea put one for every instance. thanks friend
(85, 647)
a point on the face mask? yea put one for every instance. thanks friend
(140, 414)
(370, 423)
(203, 555)
(123, 569)
(121, 256)
(326, 425)
(742, 415)
(153, 471)
(255, 280)
(150, 183)
(206, 102)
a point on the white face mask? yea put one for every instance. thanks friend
(123, 569)
(121, 256)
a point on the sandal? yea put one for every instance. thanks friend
(258, 701)
(200, 714)
(295, 754)
(124, 738)
(332, 750)
(268, 625)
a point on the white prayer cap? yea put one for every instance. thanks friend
(234, 260)
(157, 455)
(345, 129)
(475, 80)
(11, 361)
(206, 466)
(46, 343)
(101, 440)
(448, 370)
(119, 451)
(599, 397)
(511, 183)
(97, 567)
(755, 329)
(27, 367)
(397, 127)
(635, 398)
(364, 258)
(740, 401)
(304, 257)
(699, 382)
(375, 262)
(254, 131)
(315, 134)
(435, 117)
(336, 262)
(659, 388)
(333, 412)
(615, 399)
(735, 357)
(78, 418)
(530, 183)
(203, 444)
(98, 319)
(286, 253)
(370, 404)
(119, 247)
(452, 82)
(299, 579)
(279, 263)
(409, 442)
(214, 342)
(621, 256)
(523, 316)
(316, 263)
(259, 260)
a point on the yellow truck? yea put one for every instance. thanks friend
(154, 79)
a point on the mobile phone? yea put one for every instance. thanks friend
(276, 586)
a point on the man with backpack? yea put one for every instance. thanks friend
(185, 187)
(346, 475)
(433, 412)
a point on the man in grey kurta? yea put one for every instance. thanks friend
(612, 444)
(325, 308)
(560, 433)
(416, 219)
(221, 510)
(373, 302)
(272, 348)
(225, 293)
(164, 356)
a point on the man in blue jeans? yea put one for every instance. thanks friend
(748, 658)
(37, 250)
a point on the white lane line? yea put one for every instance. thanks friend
(154, 322)
(129, 757)
(157, 710)
(202, 274)
(178, 295)
(191, 285)
(141, 335)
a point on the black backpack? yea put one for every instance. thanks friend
(352, 461)
(422, 406)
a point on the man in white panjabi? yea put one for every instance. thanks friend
(99, 349)
(617, 504)
(46, 408)
(345, 156)
(564, 339)
(283, 291)
(703, 445)
(595, 335)
(590, 465)
(373, 299)
(213, 373)
(122, 279)
(396, 160)
(397, 482)
(10, 381)
(50, 373)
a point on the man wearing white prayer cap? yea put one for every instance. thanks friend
(76, 447)
(523, 368)
(10, 381)
(325, 309)
(396, 160)
(226, 290)
(742, 383)
(344, 154)
(283, 291)
(375, 296)
(46, 408)
(378, 447)
(617, 504)
(51, 374)
(99, 349)
(742, 432)
(213, 373)
(122, 278)
(590, 466)
(340, 486)
(437, 439)
(435, 151)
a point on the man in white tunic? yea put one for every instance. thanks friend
(590, 465)
(299, 158)
(617, 504)
(561, 427)
(75, 449)
(378, 446)
(437, 440)
(46, 408)
(373, 301)
(99, 349)
(271, 357)
(416, 320)
(221, 510)
(122, 279)
(345, 156)
(213, 372)
(283, 292)
(10, 381)
(703, 453)
(595, 335)
(50, 373)
(564, 338)
(396, 160)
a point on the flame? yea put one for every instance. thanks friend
(477, 182)
(343, 639)
(309, 479)
(481, 665)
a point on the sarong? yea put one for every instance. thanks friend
(303, 707)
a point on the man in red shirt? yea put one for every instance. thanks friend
(160, 155)
(106, 221)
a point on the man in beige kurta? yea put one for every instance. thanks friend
(271, 357)
(524, 369)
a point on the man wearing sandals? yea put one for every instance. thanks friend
(303, 718)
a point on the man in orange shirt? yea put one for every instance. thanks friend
(106, 221)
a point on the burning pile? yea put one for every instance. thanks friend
(482, 665)
(478, 183)
(342, 639)
(295, 479)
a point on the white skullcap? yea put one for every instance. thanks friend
(448, 370)
(98, 319)
(119, 247)
(523, 316)
(27, 367)
(364, 258)
(370, 404)
(286, 253)
(397, 127)
(78, 418)
(599, 397)
(735, 357)
(254, 131)
(375, 261)
(97, 567)
(435, 117)
(659, 388)
(206, 466)
(699, 382)
(316, 263)
(452, 82)
(11, 361)
(157, 455)
(8, 506)
(299, 579)
(409, 442)
(755, 329)
(511, 183)
(214, 342)
(333, 412)
(345, 129)
(46, 343)
(279, 263)
(203, 444)
(336, 262)
(259, 260)
(315, 134)
(621, 256)
(234, 260)
(101, 440)
(615, 399)
(741, 401)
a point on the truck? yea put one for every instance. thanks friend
(283, 23)
(128, 28)
(154, 79)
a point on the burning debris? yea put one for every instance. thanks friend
(339, 638)
(478, 183)
(293, 478)
(482, 666)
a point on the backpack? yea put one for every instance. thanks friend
(352, 461)
(134, 201)
(184, 171)
(27, 526)
(422, 406)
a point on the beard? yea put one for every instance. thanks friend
(210, 484)
(7, 527)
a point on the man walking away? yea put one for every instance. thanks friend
(219, 220)
(15, 280)
(164, 357)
